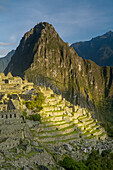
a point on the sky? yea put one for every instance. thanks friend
(74, 20)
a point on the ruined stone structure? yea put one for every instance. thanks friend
(12, 126)
(13, 84)
(11, 129)
(12, 90)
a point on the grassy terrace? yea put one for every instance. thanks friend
(82, 117)
(52, 121)
(59, 103)
(102, 134)
(51, 98)
(48, 106)
(54, 111)
(54, 116)
(88, 133)
(89, 124)
(57, 124)
(63, 129)
(79, 123)
(91, 137)
(91, 128)
(89, 120)
(65, 140)
(96, 130)
(66, 134)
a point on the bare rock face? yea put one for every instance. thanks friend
(43, 57)
(5, 60)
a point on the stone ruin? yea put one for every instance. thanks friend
(11, 129)
(13, 84)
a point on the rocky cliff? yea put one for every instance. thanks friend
(5, 60)
(43, 57)
(99, 49)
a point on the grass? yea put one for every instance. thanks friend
(65, 140)
(89, 124)
(86, 133)
(63, 129)
(47, 117)
(48, 106)
(52, 121)
(51, 98)
(89, 120)
(80, 123)
(54, 117)
(90, 137)
(54, 111)
(101, 134)
(81, 118)
(97, 130)
(66, 134)
(58, 124)
(90, 128)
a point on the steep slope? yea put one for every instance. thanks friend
(45, 59)
(99, 49)
(5, 60)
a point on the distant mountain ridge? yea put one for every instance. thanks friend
(44, 58)
(99, 49)
(5, 60)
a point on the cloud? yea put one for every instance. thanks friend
(6, 44)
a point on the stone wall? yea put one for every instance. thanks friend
(26, 96)
(9, 143)
(9, 117)
(12, 129)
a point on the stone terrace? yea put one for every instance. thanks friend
(62, 122)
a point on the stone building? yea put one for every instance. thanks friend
(11, 129)
(13, 84)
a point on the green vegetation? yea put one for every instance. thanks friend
(34, 117)
(66, 134)
(36, 103)
(24, 114)
(52, 125)
(95, 161)
(65, 140)
(69, 164)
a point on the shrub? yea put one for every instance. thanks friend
(69, 164)
(24, 114)
(37, 103)
(34, 117)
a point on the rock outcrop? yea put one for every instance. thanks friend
(4, 61)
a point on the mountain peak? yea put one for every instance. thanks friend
(98, 49)
(41, 42)
(109, 33)
(38, 28)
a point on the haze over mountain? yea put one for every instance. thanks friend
(43, 57)
(99, 49)
(5, 60)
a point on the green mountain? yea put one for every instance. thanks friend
(99, 49)
(5, 60)
(43, 57)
